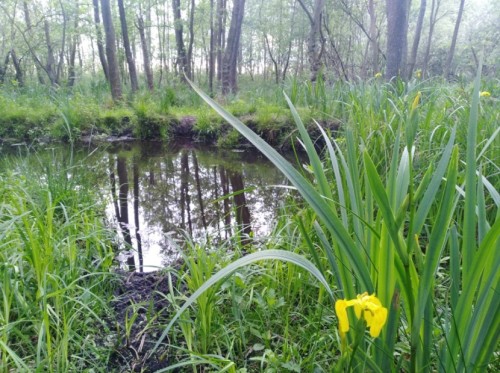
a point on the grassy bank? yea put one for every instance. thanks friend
(33, 113)
(55, 260)
(402, 203)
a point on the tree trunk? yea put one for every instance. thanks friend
(100, 45)
(232, 48)
(145, 54)
(373, 37)
(211, 63)
(17, 66)
(182, 58)
(221, 36)
(50, 65)
(60, 63)
(113, 68)
(416, 40)
(432, 22)
(134, 84)
(397, 29)
(72, 57)
(315, 42)
(191, 41)
(448, 71)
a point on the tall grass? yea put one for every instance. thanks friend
(393, 211)
(55, 257)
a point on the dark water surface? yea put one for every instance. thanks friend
(157, 193)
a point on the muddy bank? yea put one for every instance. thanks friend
(141, 310)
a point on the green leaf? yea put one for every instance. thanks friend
(315, 200)
(246, 260)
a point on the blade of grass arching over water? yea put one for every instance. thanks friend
(246, 260)
(315, 200)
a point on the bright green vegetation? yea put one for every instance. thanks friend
(55, 260)
(88, 110)
(418, 228)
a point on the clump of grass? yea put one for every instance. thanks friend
(54, 274)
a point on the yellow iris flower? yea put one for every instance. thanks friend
(366, 306)
(378, 75)
(416, 101)
(484, 94)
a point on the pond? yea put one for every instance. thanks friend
(158, 194)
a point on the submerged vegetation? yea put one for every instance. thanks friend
(387, 212)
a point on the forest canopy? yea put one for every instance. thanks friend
(148, 43)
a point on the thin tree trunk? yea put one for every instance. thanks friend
(373, 37)
(275, 63)
(100, 45)
(211, 61)
(50, 65)
(448, 71)
(191, 41)
(416, 40)
(182, 58)
(232, 48)
(113, 68)
(315, 43)
(432, 22)
(17, 67)
(72, 58)
(134, 84)
(221, 36)
(145, 54)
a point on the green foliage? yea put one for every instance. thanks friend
(377, 222)
(54, 274)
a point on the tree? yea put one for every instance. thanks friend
(211, 63)
(397, 30)
(232, 48)
(182, 57)
(113, 68)
(134, 84)
(220, 40)
(432, 23)
(315, 45)
(451, 52)
(145, 53)
(373, 36)
(416, 40)
(100, 45)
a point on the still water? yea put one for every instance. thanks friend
(161, 194)
(157, 194)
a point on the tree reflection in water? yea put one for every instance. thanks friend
(183, 189)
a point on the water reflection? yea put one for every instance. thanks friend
(183, 188)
